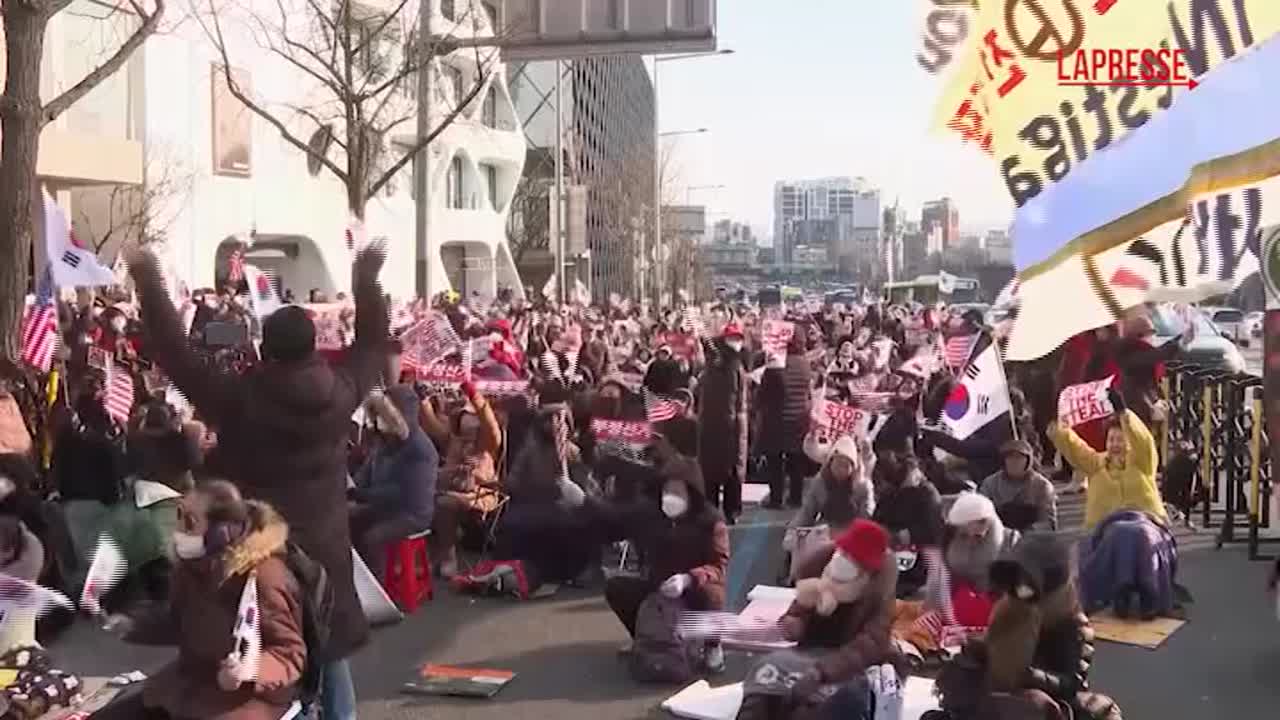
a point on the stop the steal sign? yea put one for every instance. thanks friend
(1078, 404)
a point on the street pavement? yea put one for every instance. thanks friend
(564, 648)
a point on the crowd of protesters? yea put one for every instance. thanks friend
(533, 438)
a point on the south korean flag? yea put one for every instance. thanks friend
(246, 652)
(980, 396)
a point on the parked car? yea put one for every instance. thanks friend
(1253, 323)
(1229, 321)
(1208, 348)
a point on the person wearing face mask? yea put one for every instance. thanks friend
(282, 427)
(222, 542)
(471, 441)
(683, 538)
(1025, 499)
(908, 505)
(841, 620)
(723, 415)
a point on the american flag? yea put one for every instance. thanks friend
(958, 349)
(119, 399)
(659, 409)
(40, 328)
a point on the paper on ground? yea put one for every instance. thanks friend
(377, 606)
(700, 701)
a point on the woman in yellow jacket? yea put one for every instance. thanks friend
(1122, 478)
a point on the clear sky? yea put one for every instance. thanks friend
(818, 88)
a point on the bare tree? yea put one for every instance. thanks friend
(23, 116)
(355, 115)
(112, 218)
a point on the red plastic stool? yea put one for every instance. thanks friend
(408, 580)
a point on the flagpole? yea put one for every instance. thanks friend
(1013, 422)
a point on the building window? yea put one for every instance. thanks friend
(453, 185)
(490, 174)
(446, 9)
(489, 113)
(454, 76)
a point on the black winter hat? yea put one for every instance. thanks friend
(1041, 562)
(288, 335)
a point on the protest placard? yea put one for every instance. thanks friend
(777, 334)
(327, 318)
(840, 419)
(1078, 404)
(429, 340)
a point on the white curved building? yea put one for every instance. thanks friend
(245, 180)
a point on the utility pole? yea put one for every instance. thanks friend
(422, 180)
(561, 291)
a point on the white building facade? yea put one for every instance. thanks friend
(246, 181)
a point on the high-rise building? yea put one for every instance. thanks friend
(943, 216)
(728, 232)
(892, 245)
(608, 148)
(835, 220)
(999, 247)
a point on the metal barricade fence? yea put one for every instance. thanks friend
(1220, 415)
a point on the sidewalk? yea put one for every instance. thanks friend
(564, 649)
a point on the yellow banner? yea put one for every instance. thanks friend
(1019, 92)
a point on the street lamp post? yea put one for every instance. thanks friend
(657, 161)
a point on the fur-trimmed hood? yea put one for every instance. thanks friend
(387, 417)
(267, 535)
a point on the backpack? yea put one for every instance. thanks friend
(659, 655)
(317, 613)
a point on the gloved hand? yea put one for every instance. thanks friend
(469, 389)
(807, 684)
(1117, 401)
(369, 261)
(675, 586)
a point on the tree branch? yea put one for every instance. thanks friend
(59, 104)
(425, 141)
(234, 88)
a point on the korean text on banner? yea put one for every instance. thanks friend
(429, 340)
(840, 419)
(777, 334)
(1008, 95)
(1078, 404)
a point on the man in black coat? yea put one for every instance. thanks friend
(282, 431)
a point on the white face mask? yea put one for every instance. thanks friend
(187, 546)
(735, 345)
(841, 569)
(118, 324)
(673, 506)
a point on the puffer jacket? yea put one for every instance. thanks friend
(783, 405)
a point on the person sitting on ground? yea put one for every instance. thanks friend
(1034, 660)
(841, 620)
(683, 537)
(222, 542)
(840, 494)
(1123, 477)
(909, 507)
(395, 489)
(1024, 498)
(471, 438)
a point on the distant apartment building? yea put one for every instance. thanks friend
(941, 217)
(608, 149)
(999, 247)
(892, 245)
(836, 219)
(728, 232)
(915, 250)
